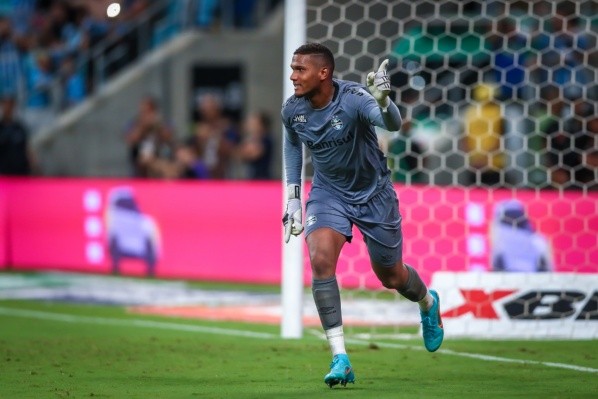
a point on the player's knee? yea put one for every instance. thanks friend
(395, 277)
(388, 282)
(392, 282)
(323, 263)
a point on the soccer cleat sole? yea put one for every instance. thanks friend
(341, 371)
(338, 381)
(332, 381)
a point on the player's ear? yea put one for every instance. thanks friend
(324, 72)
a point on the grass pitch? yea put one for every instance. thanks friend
(56, 350)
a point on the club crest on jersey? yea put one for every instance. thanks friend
(336, 123)
(300, 118)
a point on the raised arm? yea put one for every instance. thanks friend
(386, 115)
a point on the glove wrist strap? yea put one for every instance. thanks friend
(293, 191)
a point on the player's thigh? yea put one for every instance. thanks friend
(380, 223)
(327, 228)
(324, 210)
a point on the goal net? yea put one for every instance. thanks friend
(496, 164)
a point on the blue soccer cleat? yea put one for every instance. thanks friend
(341, 371)
(432, 329)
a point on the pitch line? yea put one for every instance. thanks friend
(67, 318)
(34, 314)
(479, 356)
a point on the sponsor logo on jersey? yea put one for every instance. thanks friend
(300, 118)
(330, 143)
(336, 123)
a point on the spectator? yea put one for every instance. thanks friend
(10, 61)
(15, 158)
(186, 164)
(149, 138)
(66, 38)
(231, 13)
(21, 14)
(204, 13)
(94, 22)
(73, 83)
(516, 247)
(255, 149)
(189, 163)
(483, 137)
(216, 137)
(243, 12)
(39, 78)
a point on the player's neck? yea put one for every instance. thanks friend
(323, 97)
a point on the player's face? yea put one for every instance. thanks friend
(308, 73)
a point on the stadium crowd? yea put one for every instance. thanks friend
(46, 46)
(216, 147)
(46, 67)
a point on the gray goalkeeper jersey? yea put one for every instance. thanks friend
(346, 157)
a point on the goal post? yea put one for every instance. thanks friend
(292, 252)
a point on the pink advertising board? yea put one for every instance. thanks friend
(3, 224)
(214, 231)
(231, 231)
(449, 229)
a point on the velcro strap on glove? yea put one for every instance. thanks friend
(293, 191)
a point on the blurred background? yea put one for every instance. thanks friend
(91, 88)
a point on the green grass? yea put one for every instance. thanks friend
(86, 357)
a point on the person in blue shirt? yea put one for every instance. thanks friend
(11, 70)
(335, 120)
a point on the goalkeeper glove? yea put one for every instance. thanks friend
(292, 217)
(379, 85)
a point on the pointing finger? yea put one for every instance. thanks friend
(383, 66)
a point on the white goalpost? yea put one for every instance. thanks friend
(292, 253)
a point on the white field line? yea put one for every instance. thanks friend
(33, 314)
(488, 358)
(477, 356)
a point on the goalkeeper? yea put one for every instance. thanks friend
(335, 119)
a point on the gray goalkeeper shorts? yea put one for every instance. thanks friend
(378, 220)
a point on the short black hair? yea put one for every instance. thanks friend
(317, 49)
